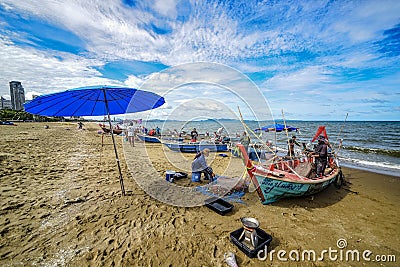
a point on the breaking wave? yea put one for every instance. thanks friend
(380, 151)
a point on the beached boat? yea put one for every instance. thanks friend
(7, 123)
(154, 139)
(148, 138)
(289, 178)
(196, 147)
(171, 138)
(115, 131)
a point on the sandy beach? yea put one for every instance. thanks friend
(61, 205)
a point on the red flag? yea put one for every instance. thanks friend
(321, 131)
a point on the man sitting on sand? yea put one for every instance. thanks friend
(199, 164)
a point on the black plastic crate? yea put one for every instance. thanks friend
(219, 205)
(264, 239)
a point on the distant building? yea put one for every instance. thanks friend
(5, 103)
(17, 95)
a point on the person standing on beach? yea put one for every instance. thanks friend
(321, 156)
(199, 164)
(131, 134)
(245, 141)
(194, 135)
(80, 125)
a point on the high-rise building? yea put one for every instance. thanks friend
(17, 95)
(5, 103)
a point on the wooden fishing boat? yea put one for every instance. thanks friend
(289, 178)
(148, 138)
(154, 139)
(115, 131)
(195, 147)
(172, 138)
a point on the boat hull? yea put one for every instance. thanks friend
(149, 139)
(115, 131)
(153, 139)
(195, 148)
(274, 189)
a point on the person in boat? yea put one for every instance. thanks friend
(158, 131)
(321, 156)
(217, 138)
(245, 141)
(292, 143)
(131, 134)
(199, 164)
(194, 135)
(144, 130)
(226, 139)
(220, 130)
(152, 132)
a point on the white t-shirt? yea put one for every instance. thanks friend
(131, 131)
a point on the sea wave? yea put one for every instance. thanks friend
(378, 167)
(381, 151)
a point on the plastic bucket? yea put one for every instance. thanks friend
(196, 176)
(169, 176)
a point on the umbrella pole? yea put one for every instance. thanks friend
(121, 181)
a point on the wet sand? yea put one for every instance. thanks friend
(61, 205)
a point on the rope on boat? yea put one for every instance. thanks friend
(287, 134)
(247, 128)
(287, 165)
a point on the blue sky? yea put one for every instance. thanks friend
(316, 60)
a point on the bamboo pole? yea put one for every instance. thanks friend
(121, 181)
(287, 134)
(251, 131)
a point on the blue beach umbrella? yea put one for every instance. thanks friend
(95, 101)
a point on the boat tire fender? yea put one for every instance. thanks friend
(339, 181)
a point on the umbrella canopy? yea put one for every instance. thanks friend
(95, 101)
(277, 128)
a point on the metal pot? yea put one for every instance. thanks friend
(250, 223)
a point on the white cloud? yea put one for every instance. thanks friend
(166, 7)
(40, 71)
(133, 81)
(332, 34)
(305, 79)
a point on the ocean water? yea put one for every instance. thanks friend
(369, 145)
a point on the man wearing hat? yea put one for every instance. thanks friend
(199, 165)
(321, 155)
